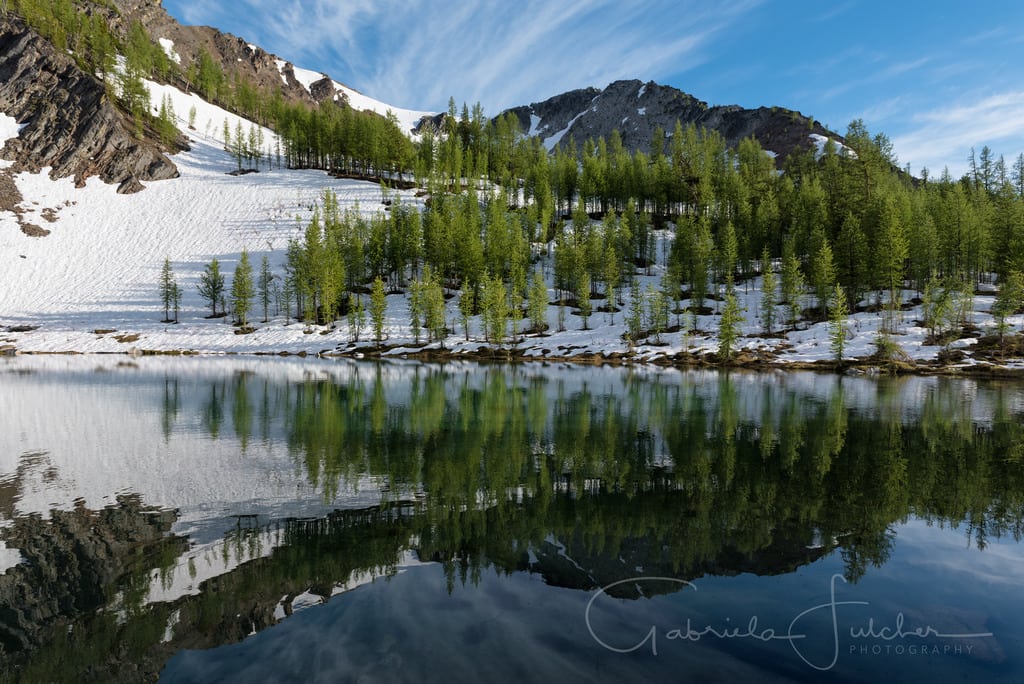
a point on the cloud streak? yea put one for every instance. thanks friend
(417, 53)
(946, 135)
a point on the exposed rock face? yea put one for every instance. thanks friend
(236, 57)
(636, 109)
(70, 124)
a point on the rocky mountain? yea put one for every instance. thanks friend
(72, 123)
(242, 60)
(636, 109)
(69, 122)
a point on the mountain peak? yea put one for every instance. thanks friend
(636, 109)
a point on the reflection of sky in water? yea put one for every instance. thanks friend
(408, 628)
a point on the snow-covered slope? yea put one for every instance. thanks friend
(91, 284)
(408, 119)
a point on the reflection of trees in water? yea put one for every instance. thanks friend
(742, 455)
(583, 483)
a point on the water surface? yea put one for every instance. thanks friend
(211, 520)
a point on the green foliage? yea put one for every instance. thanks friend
(378, 307)
(635, 317)
(768, 292)
(792, 281)
(433, 307)
(1009, 300)
(583, 299)
(729, 327)
(657, 312)
(242, 289)
(356, 315)
(537, 302)
(837, 322)
(211, 286)
(494, 307)
(170, 293)
(264, 286)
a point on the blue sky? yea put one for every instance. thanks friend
(936, 77)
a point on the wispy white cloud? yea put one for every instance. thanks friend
(417, 53)
(945, 135)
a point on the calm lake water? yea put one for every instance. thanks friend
(239, 520)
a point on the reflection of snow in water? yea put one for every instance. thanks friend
(8, 557)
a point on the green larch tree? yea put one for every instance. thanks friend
(211, 286)
(242, 289)
(729, 327)
(378, 308)
(837, 322)
(168, 289)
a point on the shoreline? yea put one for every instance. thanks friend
(743, 360)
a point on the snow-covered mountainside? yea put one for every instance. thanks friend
(636, 109)
(255, 65)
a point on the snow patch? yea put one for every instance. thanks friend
(534, 125)
(281, 64)
(820, 141)
(643, 89)
(407, 118)
(642, 111)
(307, 77)
(9, 128)
(552, 142)
(168, 45)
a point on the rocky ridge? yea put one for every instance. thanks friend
(635, 109)
(69, 122)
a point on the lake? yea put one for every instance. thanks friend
(301, 520)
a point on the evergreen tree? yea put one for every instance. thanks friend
(168, 290)
(242, 290)
(657, 312)
(583, 299)
(356, 315)
(211, 286)
(495, 309)
(264, 286)
(635, 318)
(466, 307)
(768, 294)
(792, 281)
(837, 322)
(822, 270)
(891, 256)
(415, 308)
(537, 302)
(378, 307)
(176, 299)
(434, 308)
(1008, 301)
(729, 327)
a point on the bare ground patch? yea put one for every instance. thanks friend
(11, 199)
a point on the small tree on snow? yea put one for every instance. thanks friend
(837, 322)
(242, 290)
(264, 285)
(378, 307)
(211, 286)
(729, 327)
(168, 290)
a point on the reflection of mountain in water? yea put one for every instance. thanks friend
(584, 484)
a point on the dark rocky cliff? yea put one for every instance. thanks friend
(636, 109)
(70, 123)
